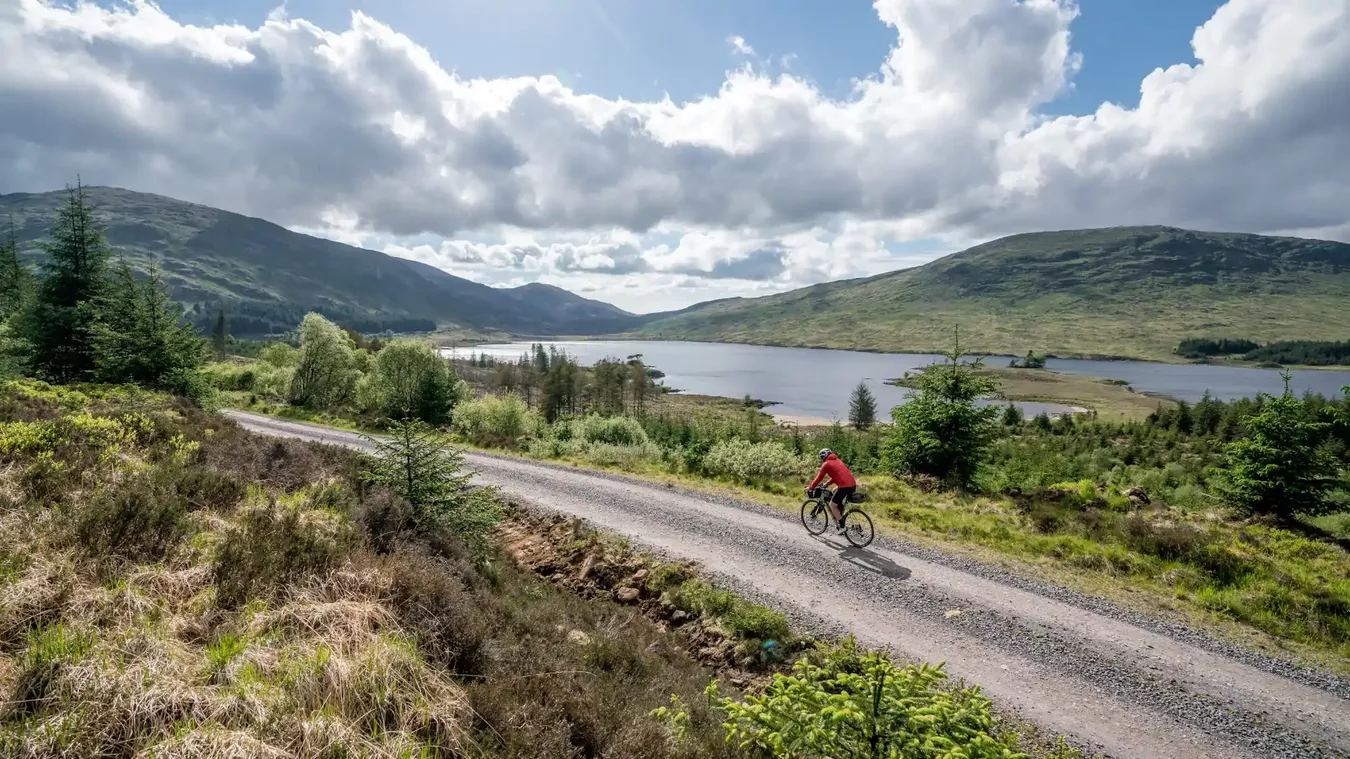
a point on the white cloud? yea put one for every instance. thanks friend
(739, 46)
(362, 133)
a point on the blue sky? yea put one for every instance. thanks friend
(437, 131)
(640, 49)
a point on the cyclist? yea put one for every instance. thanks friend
(833, 467)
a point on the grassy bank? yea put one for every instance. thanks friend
(1110, 399)
(171, 585)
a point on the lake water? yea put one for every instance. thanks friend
(815, 384)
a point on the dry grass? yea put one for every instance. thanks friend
(152, 606)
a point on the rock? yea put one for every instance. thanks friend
(680, 617)
(587, 566)
(1137, 496)
(627, 594)
(640, 576)
(578, 637)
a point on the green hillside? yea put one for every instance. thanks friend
(267, 276)
(1124, 291)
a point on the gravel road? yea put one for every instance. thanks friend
(1069, 664)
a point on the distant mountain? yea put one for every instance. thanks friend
(1123, 291)
(267, 276)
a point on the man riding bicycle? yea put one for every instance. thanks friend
(845, 485)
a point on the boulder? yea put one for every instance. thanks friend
(1137, 496)
(627, 594)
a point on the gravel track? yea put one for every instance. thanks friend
(1123, 684)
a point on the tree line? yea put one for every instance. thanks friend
(1299, 352)
(84, 316)
(255, 319)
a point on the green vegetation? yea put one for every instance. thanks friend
(862, 407)
(1126, 291)
(87, 319)
(1282, 466)
(1106, 506)
(264, 278)
(1203, 347)
(1297, 352)
(1030, 361)
(317, 612)
(941, 432)
(849, 704)
(417, 464)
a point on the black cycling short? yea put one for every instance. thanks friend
(841, 494)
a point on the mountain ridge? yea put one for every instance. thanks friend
(1128, 291)
(266, 276)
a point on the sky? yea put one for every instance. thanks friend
(657, 153)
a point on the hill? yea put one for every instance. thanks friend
(1122, 291)
(267, 276)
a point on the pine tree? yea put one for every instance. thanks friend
(13, 276)
(862, 407)
(638, 382)
(1281, 467)
(942, 431)
(220, 336)
(59, 326)
(137, 335)
(416, 463)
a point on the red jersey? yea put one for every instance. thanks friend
(839, 474)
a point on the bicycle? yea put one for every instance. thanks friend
(816, 516)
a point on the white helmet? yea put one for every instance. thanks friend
(825, 453)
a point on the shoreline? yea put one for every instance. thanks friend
(1170, 360)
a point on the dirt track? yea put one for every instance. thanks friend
(1126, 690)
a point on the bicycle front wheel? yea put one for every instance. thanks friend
(815, 517)
(858, 528)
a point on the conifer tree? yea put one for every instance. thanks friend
(862, 407)
(59, 325)
(138, 336)
(13, 276)
(416, 463)
(220, 336)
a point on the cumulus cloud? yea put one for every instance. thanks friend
(766, 179)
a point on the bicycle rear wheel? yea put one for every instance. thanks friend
(858, 528)
(815, 517)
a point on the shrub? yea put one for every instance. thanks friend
(1166, 540)
(612, 430)
(495, 421)
(231, 376)
(432, 602)
(845, 704)
(277, 542)
(754, 462)
(142, 518)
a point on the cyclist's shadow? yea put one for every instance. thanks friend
(872, 562)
